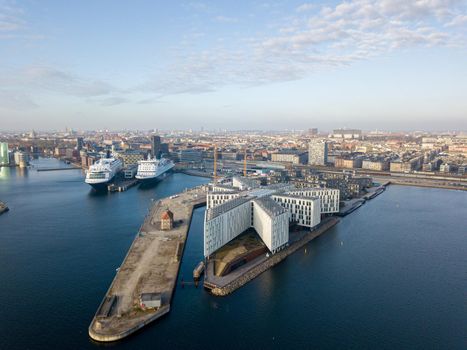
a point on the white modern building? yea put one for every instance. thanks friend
(225, 222)
(269, 210)
(244, 183)
(318, 152)
(329, 197)
(217, 198)
(304, 211)
(271, 222)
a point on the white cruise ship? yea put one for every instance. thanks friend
(153, 170)
(102, 172)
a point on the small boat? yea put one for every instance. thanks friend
(198, 271)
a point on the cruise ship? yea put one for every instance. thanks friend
(153, 170)
(102, 172)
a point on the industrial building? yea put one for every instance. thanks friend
(231, 210)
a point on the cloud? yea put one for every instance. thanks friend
(305, 7)
(16, 100)
(112, 101)
(458, 21)
(10, 17)
(19, 87)
(225, 19)
(46, 78)
(322, 37)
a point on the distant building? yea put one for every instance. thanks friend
(21, 159)
(378, 165)
(4, 157)
(294, 157)
(156, 146)
(190, 155)
(164, 149)
(349, 163)
(167, 220)
(406, 165)
(129, 157)
(79, 143)
(231, 155)
(318, 152)
(347, 134)
(313, 131)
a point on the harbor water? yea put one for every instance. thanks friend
(391, 275)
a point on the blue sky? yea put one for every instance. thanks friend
(386, 64)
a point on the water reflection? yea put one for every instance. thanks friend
(22, 172)
(5, 173)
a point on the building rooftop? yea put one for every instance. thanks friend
(270, 206)
(150, 296)
(296, 196)
(212, 213)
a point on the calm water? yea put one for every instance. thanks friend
(391, 275)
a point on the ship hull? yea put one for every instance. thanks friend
(150, 181)
(100, 187)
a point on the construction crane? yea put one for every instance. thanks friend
(244, 163)
(215, 164)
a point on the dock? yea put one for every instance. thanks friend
(150, 266)
(58, 169)
(122, 185)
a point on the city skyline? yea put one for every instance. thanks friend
(385, 64)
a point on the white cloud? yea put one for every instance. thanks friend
(458, 21)
(11, 99)
(10, 17)
(225, 19)
(305, 7)
(315, 39)
(19, 86)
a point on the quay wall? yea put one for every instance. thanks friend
(275, 259)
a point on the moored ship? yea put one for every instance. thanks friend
(153, 170)
(103, 172)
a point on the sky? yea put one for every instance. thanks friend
(369, 64)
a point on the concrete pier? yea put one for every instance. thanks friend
(221, 286)
(150, 266)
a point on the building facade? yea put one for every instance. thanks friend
(4, 157)
(318, 153)
(304, 211)
(329, 198)
(156, 146)
(268, 209)
(289, 157)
